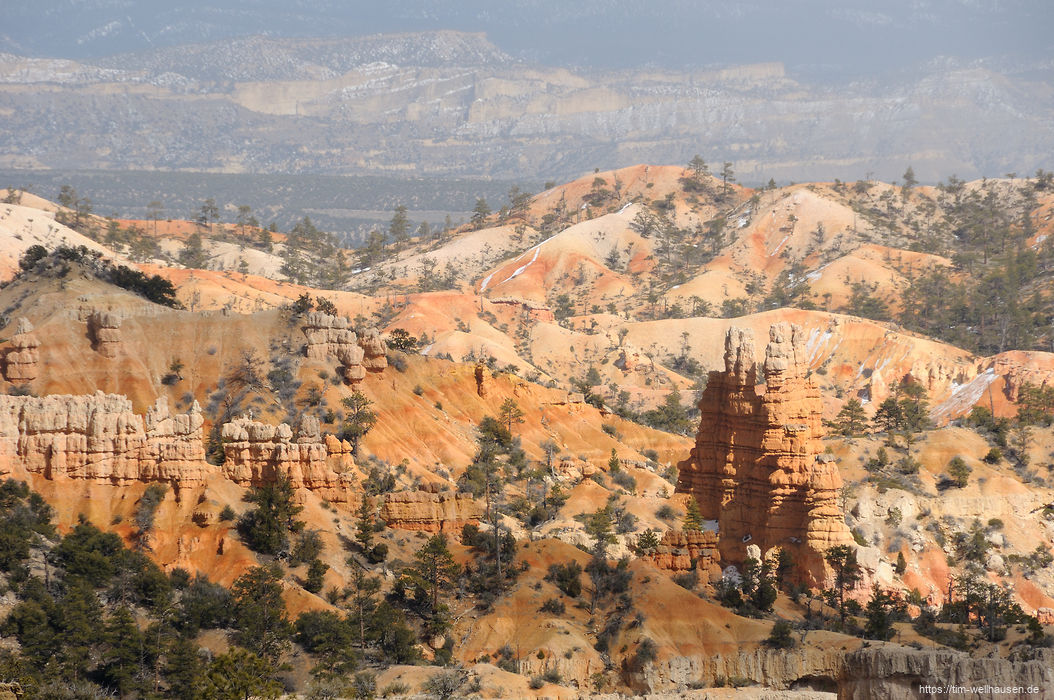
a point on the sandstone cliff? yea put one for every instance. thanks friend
(431, 512)
(758, 466)
(20, 362)
(256, 453)
(100, 437)
(880, 671)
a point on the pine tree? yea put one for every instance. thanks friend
(183, 670)
(851, 419)
(510, 413)
(124, 649)
(364, 525)
(647, 541)
(693, 517)
(259, 612)
(847, 572)
(614, 465)
(240, 675)
(434, 565)
(359, 420)
(363, 601)
(479, 214)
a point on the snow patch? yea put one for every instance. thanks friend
(817, 273)
(483, 287)
(780, 245)
(520, 270)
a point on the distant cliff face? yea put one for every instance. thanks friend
(451, 103)
(758, 466)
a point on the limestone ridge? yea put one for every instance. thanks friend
(257, 453)
(331, 336)
(758, 466)
(99, 437)
(22, 360)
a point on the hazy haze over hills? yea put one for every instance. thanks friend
(845, 38)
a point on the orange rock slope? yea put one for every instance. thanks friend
(758, 466)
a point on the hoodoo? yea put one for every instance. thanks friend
(758, 466)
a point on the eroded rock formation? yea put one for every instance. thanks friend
(20, 362)
(100, 437)
(431, 512)
(257, 453)
(331, 337)
(758, 466)
(104, 329)
(375, 350)
(681, 551)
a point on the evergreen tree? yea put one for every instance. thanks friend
(259, 612)
(879, 613)
(363, 593)
(120, 662)
(183, 669)
(358, 420)
(399, 227)
(693, 517)
(510, 413)
(847, 572)
(435, 568)
(479, 214)
(266, 528)
(647, 541)
(851, 419)
(241, 675)
(364, 525)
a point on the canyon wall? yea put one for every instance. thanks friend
(758, 466)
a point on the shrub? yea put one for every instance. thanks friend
(666, 512)
(959, 471)
(625, 480)
(553, 606)
(781, 636)
(566, 577)
(227, 514)
(688, 580)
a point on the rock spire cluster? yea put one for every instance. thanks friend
(758, 467)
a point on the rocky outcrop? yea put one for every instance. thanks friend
(879, 671)
(430, 512)
(331, 337)
(22, 359)
(374, 349)
(99, 437)
(681, 551)
(104, 330)
(480, 374)
(257, 453)
(897, 673)
(758, 466)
